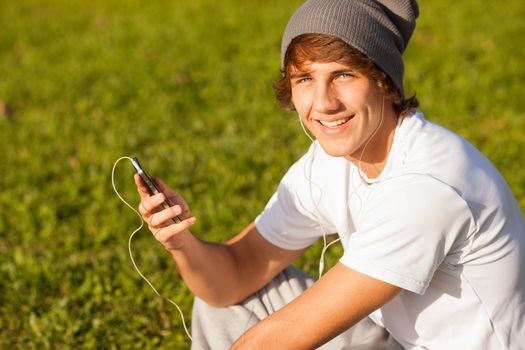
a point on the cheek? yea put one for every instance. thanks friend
(301, 102)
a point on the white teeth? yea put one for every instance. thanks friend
(333, 123)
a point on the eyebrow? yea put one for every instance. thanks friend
(299, 75)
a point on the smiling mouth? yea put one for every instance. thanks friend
(334, 123)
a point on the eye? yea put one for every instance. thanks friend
(303, 80)
(346, 75)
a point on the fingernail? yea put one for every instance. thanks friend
(159, 197)
(192, 220)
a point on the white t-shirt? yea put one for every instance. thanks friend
(439, 222)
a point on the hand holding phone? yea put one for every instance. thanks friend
(153, 189)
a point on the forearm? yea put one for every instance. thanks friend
(210, 271)
(336, 302)
(298, 325)
(275, 333)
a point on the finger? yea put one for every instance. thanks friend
(164, 217)
(167, 232)
(141, 186)
(172, 197)
(156, 232)
(150, 219)
(149, 204)
(161, 186)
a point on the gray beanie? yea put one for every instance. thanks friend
(379, 29)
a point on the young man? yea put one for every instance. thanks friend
(434, 239)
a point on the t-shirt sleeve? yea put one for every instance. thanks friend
(286, 222)
(408, 226)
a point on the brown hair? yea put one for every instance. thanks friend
(326, 48)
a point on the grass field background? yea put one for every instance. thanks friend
(186, 86)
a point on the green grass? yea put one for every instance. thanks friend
(186, 86)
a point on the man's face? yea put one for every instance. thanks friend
(340, 107)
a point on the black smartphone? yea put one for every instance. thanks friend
(151, 185)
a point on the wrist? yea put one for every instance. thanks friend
(178, 242)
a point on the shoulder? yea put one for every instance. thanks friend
(422, 138)
(425, 147)
(417, 201)
(415, 186)
(430, 145)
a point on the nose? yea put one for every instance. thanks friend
(326, 100)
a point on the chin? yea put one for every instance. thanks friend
(335, 151)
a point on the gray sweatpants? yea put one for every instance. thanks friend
(218, 328)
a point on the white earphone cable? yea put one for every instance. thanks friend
(316, 203)
(131, 254)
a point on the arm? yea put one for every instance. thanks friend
(225, 274)
(334, 303)
(220, 274)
